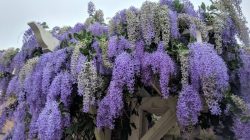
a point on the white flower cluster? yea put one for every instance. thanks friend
(233, 9)
(74, 60)
(212, 100)
(148, 11)
(7, 55)
(88, 84)
(27, 68)
(104, 47)
(239, 103)
(184, 68)
(163, 23)
(217, 27)
(133, 26)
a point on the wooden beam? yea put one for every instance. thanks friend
(161, 127)
(140, 123)
(157, 105)
(102, 134)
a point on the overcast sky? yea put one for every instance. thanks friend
(15, 14)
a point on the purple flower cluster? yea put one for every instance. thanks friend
(98, 29)
(3, 118)
(124, 48)
(43, 82)
(123, 71)
(110, 107)
(244, 73)
(160, 63)
(208, 71)
(63, 34)
(29, 42)
(229, 32)
(147, 21)
(117, 45)
(13, 87)
(30, 45)
(19, 129)
(4, 84)
(66, 88)
(241, 129)
(169, 3)
(174, 28)
(118, 23)
(50, 122)
(189, 8)
(58, 61)
(77, 28)
(61, 87)
(123, 75)
(188, 106)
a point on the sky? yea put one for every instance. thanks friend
(15, 14)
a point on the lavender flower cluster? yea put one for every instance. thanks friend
(188, 106)
(209, 72)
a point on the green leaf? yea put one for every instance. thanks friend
(212, 7)
(84, 51)
(203, 6)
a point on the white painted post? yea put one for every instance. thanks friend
(44, 38)
(198, 36)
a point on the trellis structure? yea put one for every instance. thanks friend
(165, 108)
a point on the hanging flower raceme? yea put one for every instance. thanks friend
(60, 88)
(188, 106)
(50, 122)
(244, 73)
(110, 107)
(4, 81)
(133, 24)
(66, 88)
(229, 32)
(29, 48)
(162, 23)
(123, 76)
(123, 71)
(27, 69)
(174, 28)
(88, 84)
(33, 87)
(19, 128)
(160, 63)
(147, 21)
(58, 62)
(30, 43)
(118, 23)
(138, 56)
(13, 86)
(76, 61)
(208, 71)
